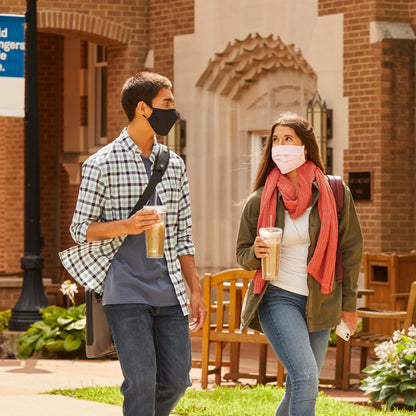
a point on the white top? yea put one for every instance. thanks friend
(292, 274)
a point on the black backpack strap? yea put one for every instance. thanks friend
(160, 166)
(335, 182)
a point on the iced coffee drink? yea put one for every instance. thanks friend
(270, 263)
(155, 237)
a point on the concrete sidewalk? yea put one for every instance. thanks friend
(21, 381)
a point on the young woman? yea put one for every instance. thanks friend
(298, 309)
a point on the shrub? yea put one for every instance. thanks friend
(394, 374)
(4, 319)
(61, 330)
(4, 326)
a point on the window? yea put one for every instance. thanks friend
(176, 138)
(97, 96)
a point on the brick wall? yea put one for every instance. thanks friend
(379, 81)
(398, 150)
(120, 26)
(11, 192)
(50, 126)
(412, 15)
(9, 297)
(123, 27)
(166, 20)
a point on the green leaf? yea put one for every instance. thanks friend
(63, 320)
(26, 350)
(41, 325)
(409, 397)
(71, 343)
(74, 312)
(392, 382)
(371, 369)
(386, 392)
(27, 334)
(391, 400)
(39, 344)
(52, 312)
(29, 338)
(375, 397)
(77, 325)
(55, 345)
(408, 385)
(81, 334)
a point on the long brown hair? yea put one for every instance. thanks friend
(303, 130)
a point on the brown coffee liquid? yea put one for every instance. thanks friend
(154, 240)
(270, 264)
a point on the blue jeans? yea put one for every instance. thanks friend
(283, 319)
(154, 350)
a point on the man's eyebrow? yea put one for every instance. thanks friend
(169, 100)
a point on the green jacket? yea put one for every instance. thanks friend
(322, 311)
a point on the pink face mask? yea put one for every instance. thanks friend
(288, 157)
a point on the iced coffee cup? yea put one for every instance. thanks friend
(270, 263)
(156, 235)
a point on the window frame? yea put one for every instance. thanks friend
(96, 112)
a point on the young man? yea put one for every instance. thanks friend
(144, 298)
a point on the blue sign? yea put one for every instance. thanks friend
(12, 46)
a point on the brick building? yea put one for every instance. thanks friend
(235, 64)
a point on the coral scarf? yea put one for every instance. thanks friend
(322, 263)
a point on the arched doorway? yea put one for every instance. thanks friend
(241, 92)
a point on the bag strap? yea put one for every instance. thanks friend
(160, 166)
(335, 182)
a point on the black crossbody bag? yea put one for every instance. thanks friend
(99, 342)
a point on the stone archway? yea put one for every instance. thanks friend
(242, 63)
(240, 92)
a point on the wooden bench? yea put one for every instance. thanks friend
(366, 340)
(224, 292)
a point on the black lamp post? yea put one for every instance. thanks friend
(32, 297)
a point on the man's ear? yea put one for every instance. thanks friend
(141, 107)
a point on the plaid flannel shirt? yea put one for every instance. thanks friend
(113, 179)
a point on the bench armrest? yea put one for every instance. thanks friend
(382, 314)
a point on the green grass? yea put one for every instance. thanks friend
(109, 395)
(238, 401)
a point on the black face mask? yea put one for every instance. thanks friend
(162, 120)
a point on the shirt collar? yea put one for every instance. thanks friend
(132, 147)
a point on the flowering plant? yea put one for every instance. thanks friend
(394, 374)
(69, 289)
(61, 331)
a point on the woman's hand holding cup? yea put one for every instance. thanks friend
(261, 247)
